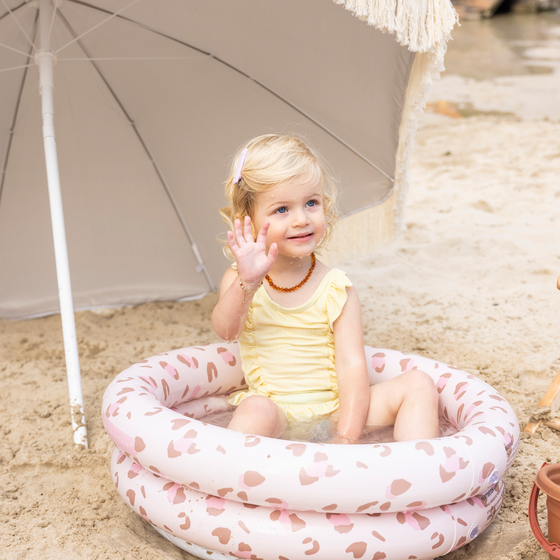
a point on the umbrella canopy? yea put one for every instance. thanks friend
(150, 105)
(151, 99)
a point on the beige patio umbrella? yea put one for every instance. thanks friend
(151, 98)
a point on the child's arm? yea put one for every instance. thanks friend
(351, 370)
(238, 287)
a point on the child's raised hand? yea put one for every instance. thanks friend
(253, 263)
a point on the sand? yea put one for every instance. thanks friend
(471, 282)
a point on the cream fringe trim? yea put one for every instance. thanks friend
(420, 25)
(424, 27)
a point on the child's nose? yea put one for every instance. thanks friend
(300, 218)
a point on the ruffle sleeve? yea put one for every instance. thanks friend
(337, 295)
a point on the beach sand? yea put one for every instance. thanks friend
(470, 282)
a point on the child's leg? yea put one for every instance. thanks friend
(260, 416)
(409, 402)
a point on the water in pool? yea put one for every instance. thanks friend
(322, 431)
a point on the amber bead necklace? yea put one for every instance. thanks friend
(297, 286)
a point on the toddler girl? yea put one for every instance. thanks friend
(299, 322)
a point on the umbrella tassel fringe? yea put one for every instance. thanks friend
(424, 27)
(420, 25)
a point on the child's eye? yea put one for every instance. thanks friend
(312, 203)
(281, 210)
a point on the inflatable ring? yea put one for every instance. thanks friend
(256, 497)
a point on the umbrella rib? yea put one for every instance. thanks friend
(16, 113)
(78, 37)
(276, 94)
(201, 266)
(53, 15)
(136, 58)
(15, 67)
(312, 119)
(28, 55)
(371, 205)
(142, 25)
(18, 23)
(6, 14)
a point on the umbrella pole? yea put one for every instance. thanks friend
(45, 59)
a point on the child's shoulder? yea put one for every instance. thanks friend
(336, 275)
(334, 281)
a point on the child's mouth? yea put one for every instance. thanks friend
(304, 237)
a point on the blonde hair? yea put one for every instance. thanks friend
(273, 160)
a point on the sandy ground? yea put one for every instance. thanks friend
(471, 282)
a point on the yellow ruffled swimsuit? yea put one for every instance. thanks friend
(288, 353)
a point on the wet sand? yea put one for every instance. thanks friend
(471, 282)
(508, 65)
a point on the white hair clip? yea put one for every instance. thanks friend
(237, 176)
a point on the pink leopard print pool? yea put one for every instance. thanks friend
(254, 497)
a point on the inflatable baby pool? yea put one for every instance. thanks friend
(214, 491)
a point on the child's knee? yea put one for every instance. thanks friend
(420, 383)
(264, 412)
(257, 405)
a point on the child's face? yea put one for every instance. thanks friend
(296, 215)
